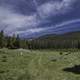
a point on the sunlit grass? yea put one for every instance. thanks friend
(37, 64)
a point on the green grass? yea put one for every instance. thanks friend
(37, 65)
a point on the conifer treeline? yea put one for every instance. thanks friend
(55, 44)
(15, 42)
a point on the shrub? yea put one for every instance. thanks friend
(2, 71)
(4, 60)
(4, 56)
(61, 53)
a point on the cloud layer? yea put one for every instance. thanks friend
(53, 8)
(13, 22)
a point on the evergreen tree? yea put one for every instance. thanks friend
(17, 42)
(2, 39)
(9, 42)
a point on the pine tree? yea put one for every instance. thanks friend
(2, 39)
(9, 42)
(17, 42)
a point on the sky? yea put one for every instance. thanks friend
(33, 18)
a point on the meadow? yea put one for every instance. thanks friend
(21, 64)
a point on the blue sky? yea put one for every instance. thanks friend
(31, 18)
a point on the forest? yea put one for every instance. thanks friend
(70, 40)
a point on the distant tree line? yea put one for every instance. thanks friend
(55, 44)
(15, 42)
(12, 42)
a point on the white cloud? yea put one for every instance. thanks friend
(31, 31)
(55, 7)
(63, 24)
(56, 27)
(14, 21)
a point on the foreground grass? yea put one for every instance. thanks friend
(37, 65)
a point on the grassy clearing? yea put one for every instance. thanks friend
(37, 64)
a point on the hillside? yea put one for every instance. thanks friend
(69, 36)
(62, 41)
